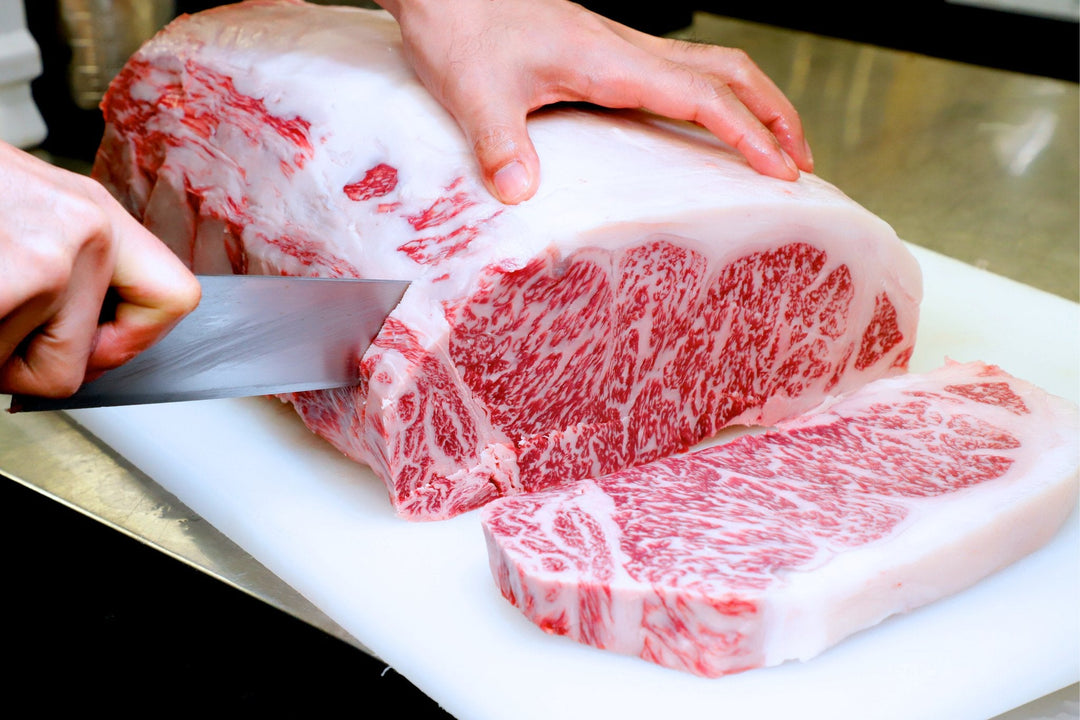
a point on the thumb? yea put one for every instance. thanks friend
(508, 161)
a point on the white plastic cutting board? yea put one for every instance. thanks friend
(420, 595)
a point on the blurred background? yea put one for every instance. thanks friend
(84, 42)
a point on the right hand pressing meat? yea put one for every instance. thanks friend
(491, 63)
(64, 243)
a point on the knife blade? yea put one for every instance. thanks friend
(249, 335)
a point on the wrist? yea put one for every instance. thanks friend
(398, 7)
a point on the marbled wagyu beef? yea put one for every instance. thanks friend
(655, 290)
(777, 546)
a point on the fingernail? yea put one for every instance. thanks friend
(809, 154)
(512, 182)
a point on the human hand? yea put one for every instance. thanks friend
(491, 63)
(64, 243)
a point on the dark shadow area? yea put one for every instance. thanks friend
(97, 620)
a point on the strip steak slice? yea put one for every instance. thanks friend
(777, 546)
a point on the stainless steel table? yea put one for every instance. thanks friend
(978, 164)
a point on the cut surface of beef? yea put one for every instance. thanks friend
(655, 290)
(776, 546)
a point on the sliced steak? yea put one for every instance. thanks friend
(776, 546)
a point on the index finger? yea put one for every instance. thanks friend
(703, 65)
(755, 89)
(153, 289)
(677, 91)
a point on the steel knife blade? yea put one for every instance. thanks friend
(249, 335)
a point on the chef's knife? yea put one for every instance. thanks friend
(250, 335)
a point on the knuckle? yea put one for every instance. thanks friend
(51, 380)
(51, 270)
(492, 137)
(736, 67)
(64, 383)
(738, 56)
(495, 142)
(169, 300)
(720, 91)
(85, 210)
(187, 296)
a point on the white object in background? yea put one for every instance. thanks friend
(20, 62)
(1068, 10)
